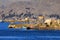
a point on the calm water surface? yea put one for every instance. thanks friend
(18, 34)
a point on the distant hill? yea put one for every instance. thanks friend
(37, 7)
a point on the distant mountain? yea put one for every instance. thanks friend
(37, 7)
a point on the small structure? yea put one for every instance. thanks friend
(41, 19)
(48, 21)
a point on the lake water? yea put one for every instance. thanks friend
(4, 25)
(19, 34)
